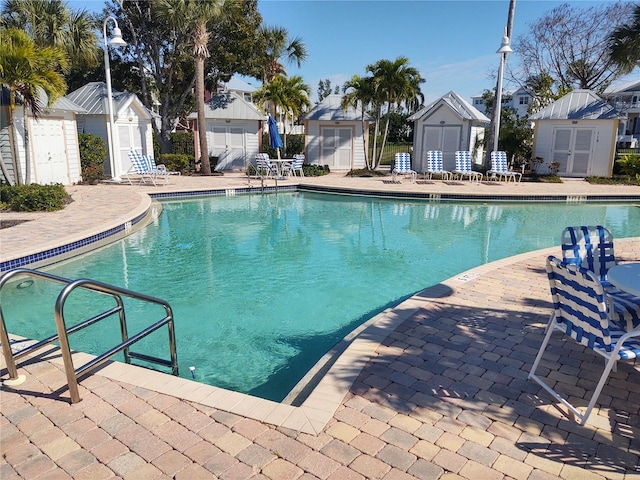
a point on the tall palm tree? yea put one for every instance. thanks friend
(625, 43)
(193, 15)
(360, 92)
(281, 47)
(51, 23)
(290, 95)
(397, 82)
(28, 72)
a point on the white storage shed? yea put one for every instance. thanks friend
(450, 123)
(578, 131)
(132, 121)
(336, 137)
(234, 130)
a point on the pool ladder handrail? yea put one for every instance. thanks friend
(63, 332)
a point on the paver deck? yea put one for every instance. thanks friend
(435, 389)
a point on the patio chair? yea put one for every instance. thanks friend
(160, 170)
(591, 247)
(500, 168)
(580, 312)
(294, 166)
(139, 169)
(463, 167)
(402, 166)
(434, 165)
(264, 168)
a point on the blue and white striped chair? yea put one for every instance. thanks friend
(463, 167)
(435, 165)
(159, 170)
(263, 166)
(296, 165)
(500, 168)
(139, 169)
(402, 166)
(580, 312)
(591, 247)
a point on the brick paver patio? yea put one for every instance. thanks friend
(445, 396)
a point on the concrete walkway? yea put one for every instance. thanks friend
(441, 392)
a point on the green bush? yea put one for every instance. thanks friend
(34, 197)
(295, 145)
(315, 170)
(629, 163)
(176, 162)
(93, 155)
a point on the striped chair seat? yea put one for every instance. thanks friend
(140, 169)
(580, 312)
(435, 165)
(500, 168)
(463, 167)
(402, 166)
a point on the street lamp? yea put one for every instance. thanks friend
(116, 41)
(505, 49)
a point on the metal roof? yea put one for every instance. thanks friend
(632, 86)
(229, 106)
(330, 109)
(458, 105)
(578, 105)
(93, 98)
(62, 104)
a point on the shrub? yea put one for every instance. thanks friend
(176, 162)
(93, 154)
(182, 143)
(629, 163)
(34, 197)
(315, 170)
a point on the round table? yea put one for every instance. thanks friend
(626, 277)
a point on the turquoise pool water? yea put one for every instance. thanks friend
(263, 285)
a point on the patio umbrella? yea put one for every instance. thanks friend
(274, 136)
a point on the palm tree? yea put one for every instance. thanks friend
(193, 15)
(50, 23)
(279, 46)
(360, 92)
(28, 72)
(290, 94)
(625, 43)
(397, 82)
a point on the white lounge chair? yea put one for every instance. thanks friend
(160, 171)
(500, 169)
(463, 167)
(435, 165)
(140, 169)
(402, 166)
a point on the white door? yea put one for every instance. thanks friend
(445, 138)
(336, 147)
(572, 149)
(49, 154)
(131, 136)
(228, 144)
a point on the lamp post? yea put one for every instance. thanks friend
(504, 50)
(116, 41)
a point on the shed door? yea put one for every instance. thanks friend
(49, 155)
(131, 136)
(572, 149)
(336, 147)
(228, 144)
(445, 138)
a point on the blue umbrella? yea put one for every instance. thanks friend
(274, 136)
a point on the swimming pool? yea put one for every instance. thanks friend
(263, 285)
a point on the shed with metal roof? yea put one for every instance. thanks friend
(53, 153)
(335, 136)
(449, 123)
(132, 121)
(576, 135)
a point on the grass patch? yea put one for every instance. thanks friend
(363, 172)
(623, 180)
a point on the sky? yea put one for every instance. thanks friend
(452, 43)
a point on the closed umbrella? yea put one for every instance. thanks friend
(274, 136)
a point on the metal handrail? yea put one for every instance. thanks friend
(63, 332)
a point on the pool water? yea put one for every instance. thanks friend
(262, 286)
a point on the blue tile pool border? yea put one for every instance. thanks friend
(64, 251)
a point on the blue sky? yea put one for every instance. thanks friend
(451, 42)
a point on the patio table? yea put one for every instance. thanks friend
(626, 277)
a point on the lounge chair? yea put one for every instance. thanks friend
(434, 165)
(500, 169)
(591, 247)
(140, 169)
(160, 171)
(402, 166)
(580, 312)
(463, 167)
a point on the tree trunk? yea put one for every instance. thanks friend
(27, 156)
(3, 168)
(13, 135)
(202, 124)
